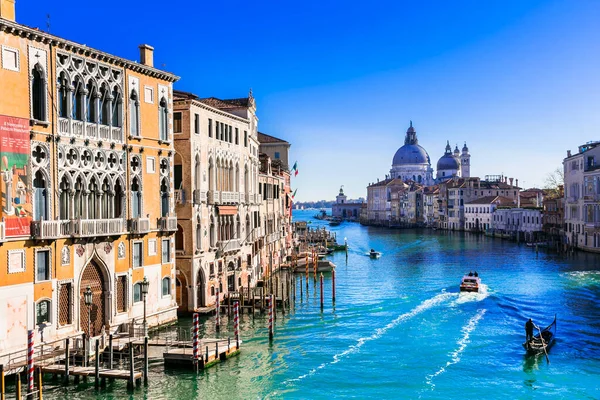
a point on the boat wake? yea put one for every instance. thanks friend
(425, 305)
(462, 345)
(468, 297)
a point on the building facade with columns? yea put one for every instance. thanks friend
(88, 200)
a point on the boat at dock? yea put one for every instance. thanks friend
(322, 266)
(335, 221)
(542, 341)
(470, 283)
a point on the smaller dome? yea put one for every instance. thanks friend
(456, 152)
(448, 162)
(465, 149)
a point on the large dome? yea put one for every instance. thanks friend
(448, 162)
(410, 154)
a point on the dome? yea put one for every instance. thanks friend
(410, 154)
(448, 162)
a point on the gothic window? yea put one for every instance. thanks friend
(137, 292)
(136, 199)
(91, 102)
(38, 93)
(164, 197)
(78, 201)
(122, 293)
(92, 198)
(40, 197)
(65, 204)
(118, 198)
(104, 106)
(117, 108)
(178, 172)
(237, 136)
(163, 118)
(104, 201)
(245, 138)
(212, 232)
(77, 100)
(63, 96)
(134, 114)
(198, 235)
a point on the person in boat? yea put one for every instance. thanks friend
(529, 325)
(476, 274)
(470, 273)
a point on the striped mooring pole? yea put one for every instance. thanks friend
(30, 361)
(195, 340)
(270, 306)
(236, 323)
(218, 318)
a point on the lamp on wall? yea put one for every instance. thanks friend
(88, 298)
(144, 286)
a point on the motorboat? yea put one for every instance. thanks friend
(374, 254)
(470, 283)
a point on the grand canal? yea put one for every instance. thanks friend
(400, 329)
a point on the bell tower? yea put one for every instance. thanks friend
(465, 162)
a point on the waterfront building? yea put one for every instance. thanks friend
(346, 209)
(553, 220)
(379, 202)
(88, 202)
(531, 197)
(216, 181)
(518, 223)
(411, 161)
(478, 213)
(455, 192)
(276, 149)
(582, 197)
(431, 205)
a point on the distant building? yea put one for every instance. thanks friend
(348, 210)
(456, 164)
(277, 149)
(518, 223)
(553, 220)
(478, 213)
(411, 161)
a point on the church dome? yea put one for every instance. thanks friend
(447, 162)
(411, 152)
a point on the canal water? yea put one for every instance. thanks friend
(400, 328)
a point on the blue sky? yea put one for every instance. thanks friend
(518, 80)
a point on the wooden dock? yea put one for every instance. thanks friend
(91, 371)
(210, 352)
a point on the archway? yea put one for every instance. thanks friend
(94, 278)
(200, 289)
(181, 293)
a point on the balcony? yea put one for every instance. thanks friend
(229, 245)
(230, 197)
(242, 197)
(50, 229)
(199, 196)
(167, 224)
(139, 225)
(97, 227)
(213, 197)
(87, 130)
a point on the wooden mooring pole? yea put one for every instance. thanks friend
(301, 284)
(333, 285)
(67, 360)
(130, 383)
(321, 281)
(2, 384)
(97, 365)
(146, 360)
(110, 351)
(39, 376)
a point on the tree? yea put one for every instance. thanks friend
(555, 182)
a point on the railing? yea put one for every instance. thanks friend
(167, 223)
(230, 197)
(97, 227)
(242, 197)
(72, 127)
(50, 229)
(199, 196)
(214, 197)
(140, 225)
(231, 245)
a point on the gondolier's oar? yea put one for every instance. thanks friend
(543, 345)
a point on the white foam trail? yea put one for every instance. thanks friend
(462, 345)
(467, 297)
(425, 305)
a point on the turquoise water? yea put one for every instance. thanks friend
(400, 329)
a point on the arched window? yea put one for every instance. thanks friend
(163, 118)
(104, 200)
(118, 199)
(164, 198)
(137, 292)
(78, 206)
(104, 106)
(65, 201)
(166, 286)
(92, 198)
(117, 108)
(63, 96)
(197, 173)
(91, 103)
(77, 100)
(212, 232)
(134, 114)
(198, 235)
(38, 93)
(42, 312)
(178, 172)
(179, 238)
(136, 199)
(40, 197)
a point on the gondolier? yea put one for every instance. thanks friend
(529, 325)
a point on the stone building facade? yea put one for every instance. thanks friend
(88, 200)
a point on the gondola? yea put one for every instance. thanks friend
(537, 345)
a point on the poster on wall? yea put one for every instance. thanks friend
(14, 162)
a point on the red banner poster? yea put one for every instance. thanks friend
(14, 164)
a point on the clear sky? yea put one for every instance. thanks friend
(519, 81)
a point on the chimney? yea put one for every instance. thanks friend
(7, 9)
(146, 54)
(517, 182)
(511, 182)
(568, 153)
